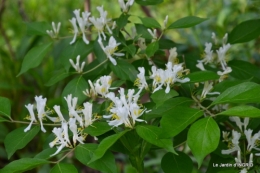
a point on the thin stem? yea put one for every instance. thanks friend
(63, 156)
(25, 122)
(180, 144)
(202, 107)
(95, 67)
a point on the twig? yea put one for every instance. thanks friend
(95, 67)
(25, 122)
(63, 157)
(202, 107)
(21, 11)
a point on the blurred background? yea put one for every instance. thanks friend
(15, 42)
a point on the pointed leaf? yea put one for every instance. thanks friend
(124, 70)
(159, 97)
(186, 22)
(5, 107)
(151, 135)
(177, 119)
(23, 165)
(245, 31)
(142, 30)
(64, 168)
(45, 154)
(122, 20)
(176, 163)
(76, 88)
(85, 152)
(97, 128)
(152, 48)
(202, 76)
(34, 57)
(242, 111)
(37, 28)
(105, 145)
(247, 92)
(18, 139)
(203, 138)
(150, 22)
(58, 76)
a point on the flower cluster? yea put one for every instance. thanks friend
(221, 57)
(124, 109)
(81, 117)
(234, 142)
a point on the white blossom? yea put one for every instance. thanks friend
(32, 116)
(235, 143)
(141, 81)
(76, 65)
(87, 112)
(125, 6)
(153, 34)
(55, 30)
(173, 56)
(74, 129)
(165, 22)
(110, 49)
(57, 110)
(208, 86)
(40, 106)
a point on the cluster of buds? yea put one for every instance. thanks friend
(221, 57)
(234, 143)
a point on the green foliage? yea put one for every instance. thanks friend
(242, 111)
(63, 168)
(37, 28)
(5, 107)
(186, 22)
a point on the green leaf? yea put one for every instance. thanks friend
(177, 119)
(97, 128)
(176, 163)
(3, 119)
(202, 76)
(166, 44)
(244, 70)
(186, 22)
(245, 31)
(150, 22)
(159, 97)
(37, 28)
(124, 70)
(148, 2)
(131, 49)
(85, 152)
(99, 52)
(76, 88)
(18, 139)
(23, 165)
(242, 111)
(58, 76)
(105, 145)
(122, 20)
(142, 30)
(5, 107)
(247, 92)
(203, 138)
(168, 105)
(45, 154)
(72, 51)
(34, 57)
(152, 48)
(151, 135)
(64, 168)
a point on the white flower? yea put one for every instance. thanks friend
(251, 141)
(72, 108)
(238, 158)
(225, 38)
(32, 116)
(125, 6)
(75, 29)
(140, 81)
(141, 43)
(208, 86)
(243, 170)
(102, 85)
(173, 56)
(40, 106)
(55, 32)
(225, 136)
(110, 49)
(235, 143)
(214, 38)
(57, 110)
(165, 22)
(87, 112)
(221, 55)
(74, 130)
(153, 34)
(76, 66)
(239, 123)
(200, 66)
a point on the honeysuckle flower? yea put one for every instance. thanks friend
(225, 136)
(57, 110)
(214, 38)
(40, 106)
(173, 56)
(102, 85)
(76, 66)
(221, 55)
(165, 22)
(251, 141)
(72, 102)
(153, 34)
(239, 123)
(200, 66)
(125, 6)
(73, 21)
(238, 158)
(141, 43)
(140, 82)
(103, 16)
(235, 143)
(90, 92)
(82, 22)
(87, 112)
(31, 116)
(74, 130)
(208, 86)
(55, 30)
(61, 139)
(110, 49)
(119, 116)
(244, 170)
(136, 112)
(158, 78)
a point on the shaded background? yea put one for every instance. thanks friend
(15, 42)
